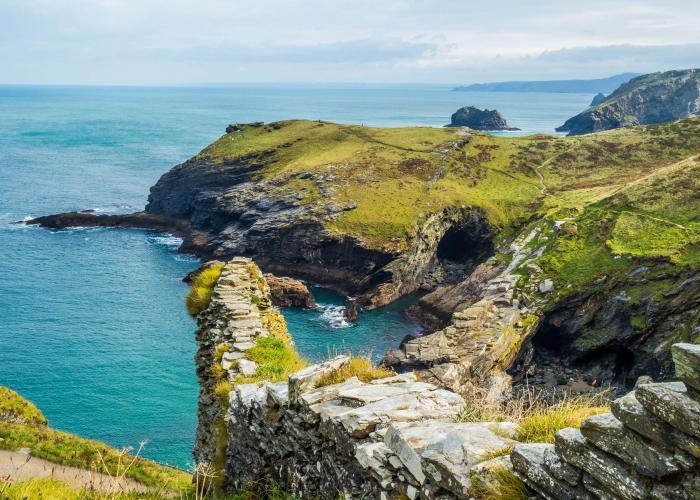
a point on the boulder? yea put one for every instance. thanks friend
(288, 292)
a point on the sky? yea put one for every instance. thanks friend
(376, 41)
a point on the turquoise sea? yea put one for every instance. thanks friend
(92, 326)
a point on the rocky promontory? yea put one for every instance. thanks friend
(479, 119)
(644, 100)
(547, 260)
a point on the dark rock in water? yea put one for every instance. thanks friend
(600, 97)
(288, 292)
(190, 277)
(351, 313)
(645, 100)
(479, 119)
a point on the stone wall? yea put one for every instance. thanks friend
(389, 438)
(239, 313)
(648, 447)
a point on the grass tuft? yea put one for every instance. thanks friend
(503, 485)
(360, 367)
(537, 418)
(200, 294)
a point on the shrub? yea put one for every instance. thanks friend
(200, 294)
(360, 367)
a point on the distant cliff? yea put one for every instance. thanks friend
(645, 100)
(604, 85)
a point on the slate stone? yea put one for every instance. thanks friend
(609, 434)
(529, 462)
(686, 358)
(631, 413)
(672, 406)
(616, 476)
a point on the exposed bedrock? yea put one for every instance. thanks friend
(610, 335)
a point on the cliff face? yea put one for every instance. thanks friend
(644, 100)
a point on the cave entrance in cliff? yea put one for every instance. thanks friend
(553, 357)
(466, 242)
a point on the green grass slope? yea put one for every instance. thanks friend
(396, 177)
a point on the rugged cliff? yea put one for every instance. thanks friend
(646, 99)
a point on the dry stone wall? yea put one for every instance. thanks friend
(389, 438)
(239, 313)
(648, 447)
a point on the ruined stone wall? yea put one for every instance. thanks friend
(389, 438)
(239, 312)
(648, 447)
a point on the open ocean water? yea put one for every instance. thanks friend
(92, 324)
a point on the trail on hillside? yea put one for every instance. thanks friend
(18, 466)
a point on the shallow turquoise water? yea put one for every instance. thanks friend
(92, 326)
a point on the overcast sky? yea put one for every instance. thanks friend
(440, 41)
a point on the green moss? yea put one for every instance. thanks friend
(14, 408)
(276, 359)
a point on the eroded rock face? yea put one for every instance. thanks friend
(646, 448)
(289, 292)
(647, 99)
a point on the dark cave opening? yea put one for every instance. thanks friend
(465, 242)
(553, 357)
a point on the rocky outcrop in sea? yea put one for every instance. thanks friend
(479, 119)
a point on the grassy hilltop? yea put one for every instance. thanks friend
(642, 182)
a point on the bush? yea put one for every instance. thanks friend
(361, 367)
(200, 294)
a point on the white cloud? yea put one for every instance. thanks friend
(179, 41)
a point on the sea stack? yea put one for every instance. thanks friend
(479, 119)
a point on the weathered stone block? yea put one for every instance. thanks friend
(529, 462)
(631, 413)
(686, 358)
(608, 470)
(308, 377)
(609, 434)
(672, 406)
